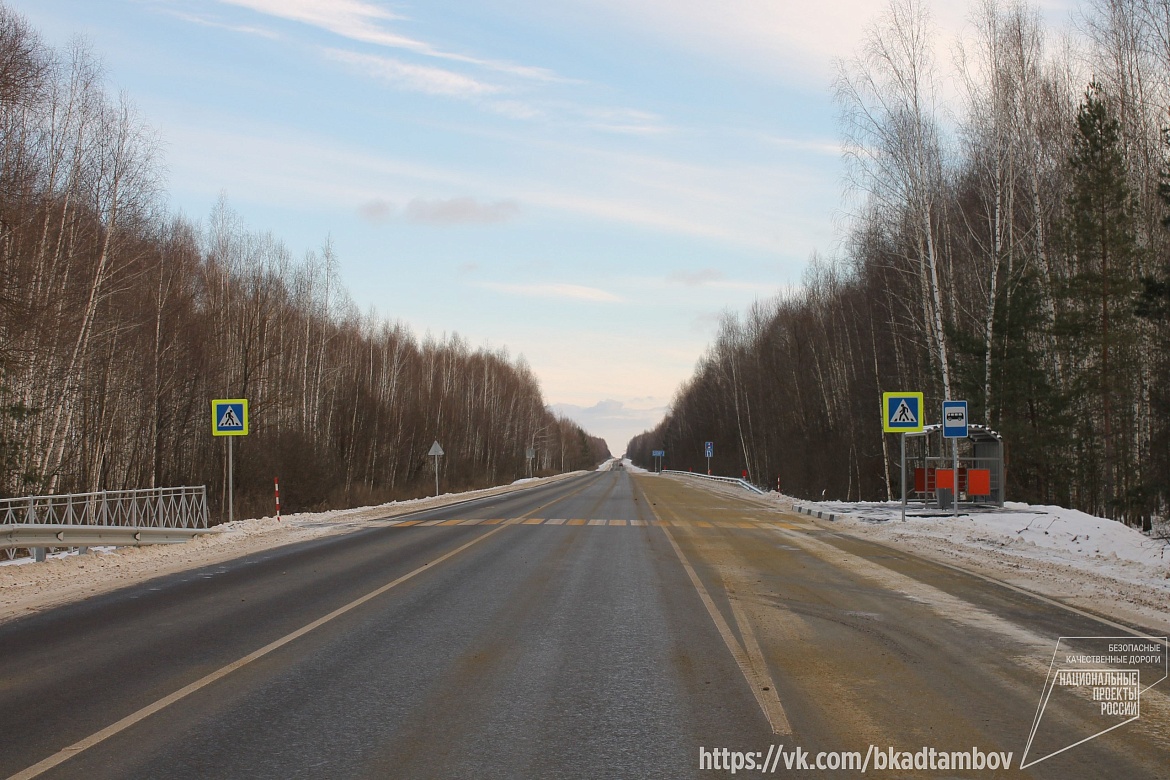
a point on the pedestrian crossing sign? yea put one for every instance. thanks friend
(902, 412)
(229, 417)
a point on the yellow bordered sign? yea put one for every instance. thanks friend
(902, 412)
(229, 417)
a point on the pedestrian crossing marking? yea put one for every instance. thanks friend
(598, 521)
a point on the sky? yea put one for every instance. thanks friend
(589, 183)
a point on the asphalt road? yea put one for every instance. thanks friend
(603, 626)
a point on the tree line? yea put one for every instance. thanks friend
(119, 322)
(1008, 243)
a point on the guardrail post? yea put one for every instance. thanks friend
(38, 554)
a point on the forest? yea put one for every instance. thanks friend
(120, 322)
(1006, 241)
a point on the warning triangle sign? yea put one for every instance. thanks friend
(904, 416)
(230, 419)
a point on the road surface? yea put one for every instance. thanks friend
(612, 625)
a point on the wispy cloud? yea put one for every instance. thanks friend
(442, 211)
(367, 23)
(696, 278)
(208, 22)
(376, 211)
(416, 78)
(574, 292)
(460, 211)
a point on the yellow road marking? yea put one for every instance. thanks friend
(750, 661)
(702, 524)
(458, 521)
(617, 522)
(493, 521)
(577, 521)
(637, 522)
(533, 521)
(473, 521)
(596, 522)
(405, 523)
(432, 522)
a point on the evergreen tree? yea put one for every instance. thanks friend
(1097, 322)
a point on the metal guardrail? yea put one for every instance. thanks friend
(733, 480)
(108, 517)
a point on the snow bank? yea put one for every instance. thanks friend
(1099, 564)
(629, 466)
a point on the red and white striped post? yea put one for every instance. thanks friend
(276, 483)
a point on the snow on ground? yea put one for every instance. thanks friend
(27, 587)
(1088, 562)
(629, 466)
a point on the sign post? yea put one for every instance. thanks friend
(902, 413)
(229, 417)
(436, 453)
(530, 458)
(710, 450)
(658, 456)
(955, 428)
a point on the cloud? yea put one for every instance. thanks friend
(366, 23)
(377, 211)
(698, 278)
(613, 420)
(460, 211)
(415, 78)
(206, 22)
(575, 292)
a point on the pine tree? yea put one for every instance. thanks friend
(1098, 321)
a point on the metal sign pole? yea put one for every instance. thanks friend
(903, 477)
(230, 479)
(955, 497)
(436, 476)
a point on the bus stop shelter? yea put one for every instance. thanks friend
(981, 468)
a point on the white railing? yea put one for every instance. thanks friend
(743, 483)
(108, 517)
(178, 507)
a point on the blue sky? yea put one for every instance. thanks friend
(587, 182)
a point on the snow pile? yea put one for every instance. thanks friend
(629, 466)
(1098, 564)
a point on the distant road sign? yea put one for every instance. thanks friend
(229, 417)
(954, 419)
(902, 412)
(710, 449)
(435, 450)
(658, 453)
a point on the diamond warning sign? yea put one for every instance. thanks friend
(901, 412)
(229, 417)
